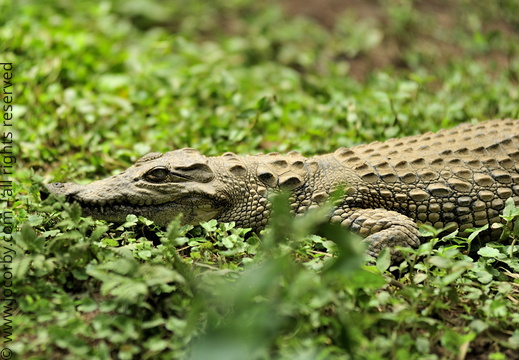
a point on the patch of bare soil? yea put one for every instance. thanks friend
(440, 14)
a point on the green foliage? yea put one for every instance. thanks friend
(98, 84)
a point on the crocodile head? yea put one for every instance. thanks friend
(158, 187)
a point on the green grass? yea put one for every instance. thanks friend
(99, 84)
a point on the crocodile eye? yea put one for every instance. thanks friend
(157, 174)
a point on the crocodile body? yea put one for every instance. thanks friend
(457, 179)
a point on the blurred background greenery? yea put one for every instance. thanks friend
(116, 77)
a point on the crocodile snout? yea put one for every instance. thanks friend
(56, 189)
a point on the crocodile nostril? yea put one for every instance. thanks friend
(48, 189)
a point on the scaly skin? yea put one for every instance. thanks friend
(455, 179)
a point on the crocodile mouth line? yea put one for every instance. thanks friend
(129, 207)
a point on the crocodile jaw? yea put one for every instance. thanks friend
(115, 205)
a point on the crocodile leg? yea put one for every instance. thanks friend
(380, 228)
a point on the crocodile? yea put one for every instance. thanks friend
(456, 179)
